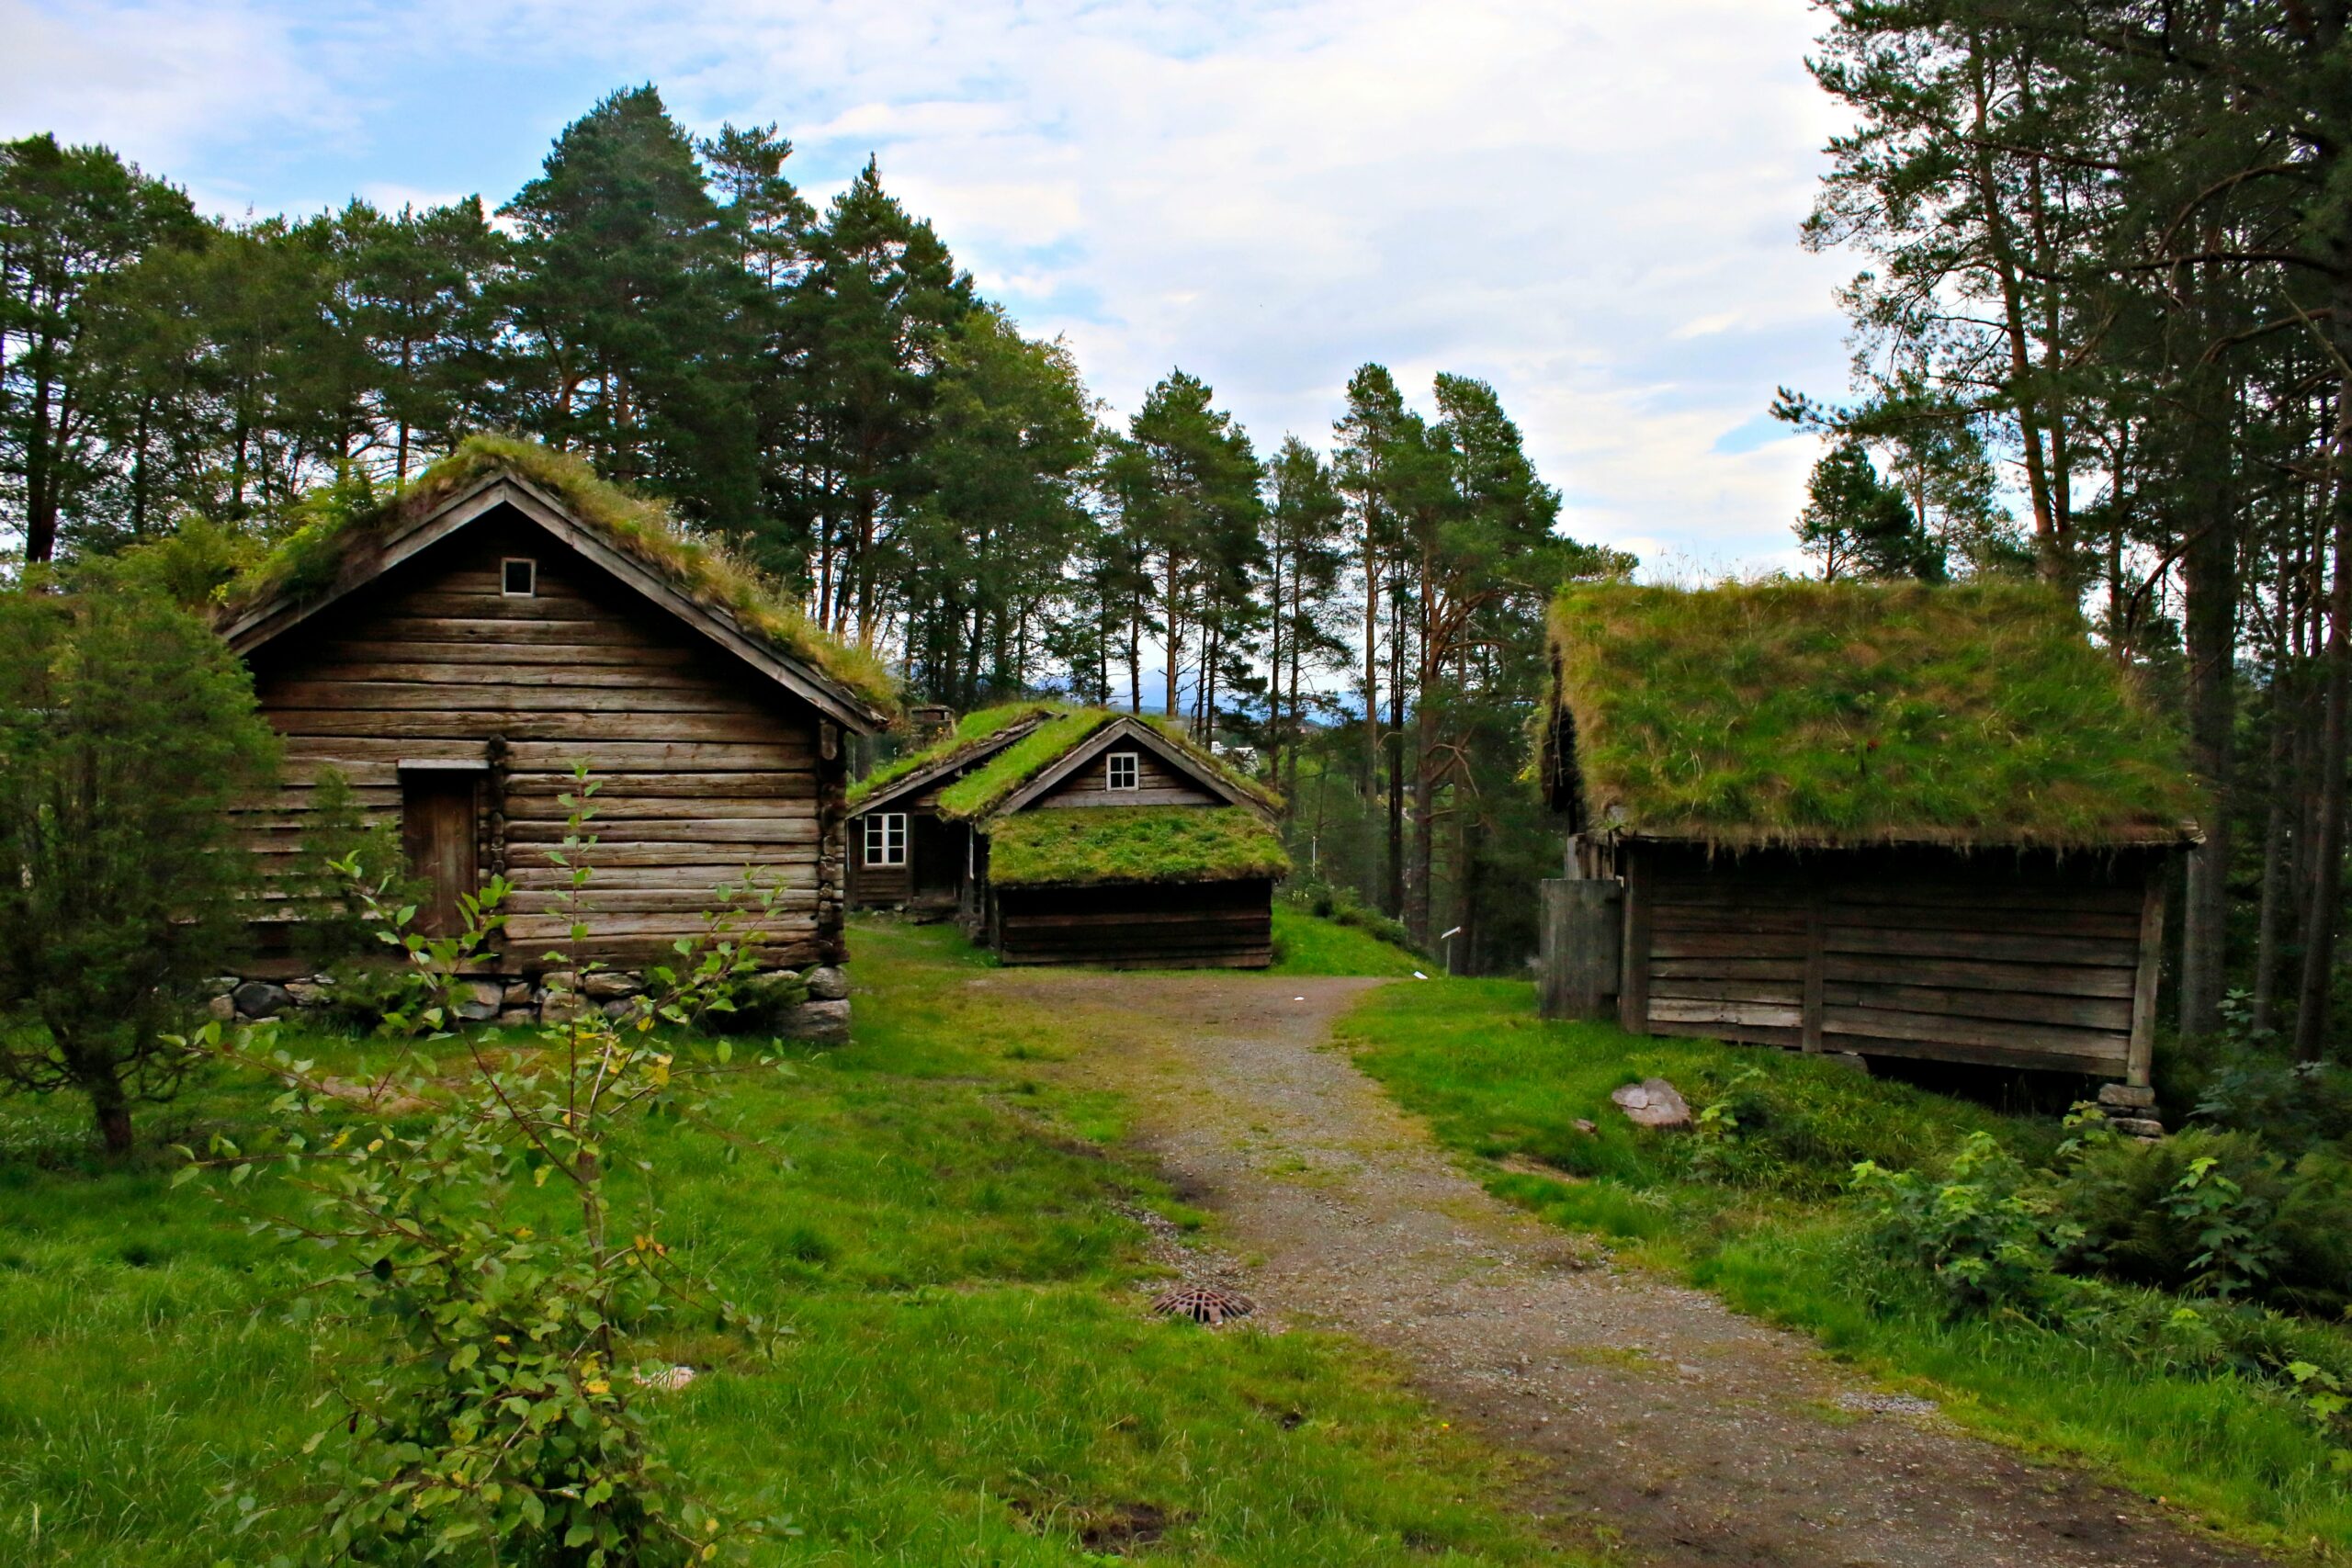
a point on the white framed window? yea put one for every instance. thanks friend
(885, 838)
(1120, 769)
(518, 577)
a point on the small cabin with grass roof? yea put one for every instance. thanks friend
(1893, 821)
(453, 653)
(1072, 835)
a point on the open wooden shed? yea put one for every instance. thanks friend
(1069, 835)
(453, 653)
(1893, 821)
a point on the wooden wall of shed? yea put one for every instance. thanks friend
(2008, 960)
(707, 767)
(1156, 783)
(1207, 925)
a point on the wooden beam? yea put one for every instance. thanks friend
(2138, 1060)
(1633, 984)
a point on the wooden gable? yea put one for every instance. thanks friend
(452, 703)
(1167, 774)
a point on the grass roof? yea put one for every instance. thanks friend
(309, 560)
(973, 733)
(980, 791)
(1808, 714)
(1103, 844)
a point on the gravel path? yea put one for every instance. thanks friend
(1654, 1415)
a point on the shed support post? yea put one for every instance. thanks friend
(1579, 964)
(1633, 977)
(2140, 1058)
(1809, 1020)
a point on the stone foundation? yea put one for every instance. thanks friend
(551, 997)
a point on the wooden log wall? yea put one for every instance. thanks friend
(707, 769)
(1995, 959)
(1208, 925)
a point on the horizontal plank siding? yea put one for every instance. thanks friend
(706, 772)
(1156, 783)
(2019, 962)
(1202, 925)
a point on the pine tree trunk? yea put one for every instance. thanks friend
(2209, 574)
(1393, 893)
(2311, 1009)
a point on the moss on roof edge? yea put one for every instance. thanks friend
(307, 561)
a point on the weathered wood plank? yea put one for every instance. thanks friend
(2054, 979)
(1979, 945)
(1775, 992)
(706, 784)
(2138, 1055)
(636, 696)
(425, 654)
(1633, 987)
(1992, 1033)
(606, 632)
(1981, 1056)
(1664, 969)
(581, 730)
(1767, 1015)
(2108, 1013)
(1728, 944)
(622, 803)
(754, 832)
(2099, 926)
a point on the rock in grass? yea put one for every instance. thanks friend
(259, 998)
(1653, 1102)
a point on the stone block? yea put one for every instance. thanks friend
(308, 993)
(518, 1018)
(2138, 1126)
(259, 998)
(222, 1006)
(2125, 1094)
(608, 984)
(1653, 1102)
(826, 983)
(517, 994)
(478, 1001)
(820, 1023)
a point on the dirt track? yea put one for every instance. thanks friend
(1647, 1414)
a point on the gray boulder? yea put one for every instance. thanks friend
(259, 998)
(820, 1023)
(826, 983)
(1653, 1102)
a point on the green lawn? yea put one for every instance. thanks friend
(971, 1376)
(1758, 1218)
(1309, 945)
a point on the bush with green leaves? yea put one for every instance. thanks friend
(126, 733)
(1986, 1229)
(2211, 1213)
(461, 1199)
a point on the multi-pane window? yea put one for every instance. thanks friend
(1123, 771)
(885, 838)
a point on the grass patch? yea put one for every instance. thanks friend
(971, 1377)
(1307, 944)
(1762, 1220)
(980, 791)
(971, 733)
(1112, 844)
(1802, 713)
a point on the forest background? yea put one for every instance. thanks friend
(2103, 337)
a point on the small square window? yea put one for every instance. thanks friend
(519, 578)
(885, 838)
(1124, 770)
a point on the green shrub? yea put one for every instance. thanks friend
(2214, 1212)
(1987, 1231)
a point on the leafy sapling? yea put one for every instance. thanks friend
(462, 1200)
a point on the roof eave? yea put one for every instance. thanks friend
(261, 623)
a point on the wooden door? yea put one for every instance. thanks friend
(437, 829)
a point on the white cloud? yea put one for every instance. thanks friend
(1593, 204)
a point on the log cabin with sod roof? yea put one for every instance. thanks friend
(454, 653)
(1070, 835)
(1892, 820)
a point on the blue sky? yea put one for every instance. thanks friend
(1592, 204)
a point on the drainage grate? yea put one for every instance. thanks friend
(1204, 1303)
